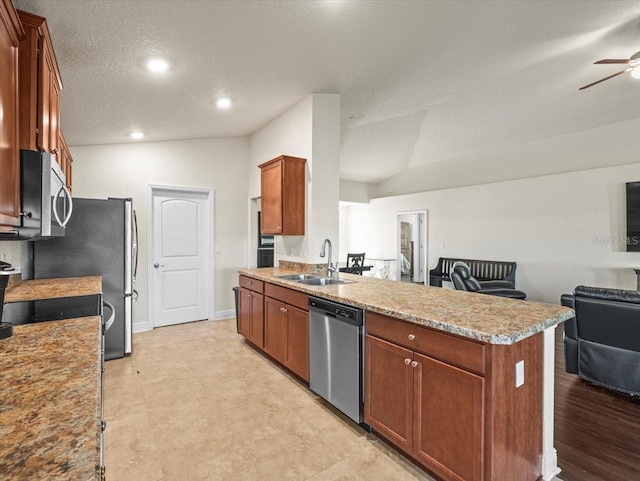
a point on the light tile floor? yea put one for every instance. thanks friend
(195, 403)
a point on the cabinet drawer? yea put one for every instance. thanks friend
(288, 296)
(252, 284)
(446, 347)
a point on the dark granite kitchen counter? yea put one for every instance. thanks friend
(50, 405)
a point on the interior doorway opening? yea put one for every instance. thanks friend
(412, 246)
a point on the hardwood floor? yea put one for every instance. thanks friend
(597, 431)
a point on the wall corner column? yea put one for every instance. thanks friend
(549, 466)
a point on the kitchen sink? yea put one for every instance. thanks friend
(324, 281)
(297, 277)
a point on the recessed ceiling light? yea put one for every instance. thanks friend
(157, 65)
(223, 103)
(136, 135)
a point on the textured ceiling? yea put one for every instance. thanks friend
(420, 82)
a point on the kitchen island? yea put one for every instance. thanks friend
(462, 383)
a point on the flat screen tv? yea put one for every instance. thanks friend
(633, 216)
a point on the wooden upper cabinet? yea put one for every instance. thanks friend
(11, 33)
(282, 182)
(40, 86)
(66, 161)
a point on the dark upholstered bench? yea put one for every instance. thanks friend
(481, 270)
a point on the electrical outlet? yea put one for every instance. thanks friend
(519, 373)
(218, 249)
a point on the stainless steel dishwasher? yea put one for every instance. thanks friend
(335, 355)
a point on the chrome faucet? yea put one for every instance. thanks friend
(330, 267)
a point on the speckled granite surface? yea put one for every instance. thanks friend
(50, 376)
(38, 289)
(490, 319)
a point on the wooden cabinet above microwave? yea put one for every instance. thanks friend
(40, 86)
(282, 182)
(11, 33)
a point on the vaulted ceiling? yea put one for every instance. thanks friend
(420, 81)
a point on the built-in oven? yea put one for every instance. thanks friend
(46, 203)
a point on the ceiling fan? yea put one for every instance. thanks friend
(633, 66)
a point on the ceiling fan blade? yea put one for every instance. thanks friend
(602, 80)
(613, 60)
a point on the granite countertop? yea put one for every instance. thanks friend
(50, 375)
(38, 289)
(490, 319)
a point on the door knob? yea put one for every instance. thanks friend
(156, 265)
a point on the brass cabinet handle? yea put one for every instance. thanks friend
(407, 361)
(412, 337)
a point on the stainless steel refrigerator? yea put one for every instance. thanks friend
(100, 240)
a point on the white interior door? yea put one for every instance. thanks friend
(180, 256)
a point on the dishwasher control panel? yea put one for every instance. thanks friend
(348, 313)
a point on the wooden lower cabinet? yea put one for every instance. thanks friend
(429, 409)
(250, 316)
(275, 329)
(297, 342)
(388, 404)
(286, 335)
(447, 414)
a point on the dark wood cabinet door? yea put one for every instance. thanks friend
(244, 312)
(388, 404)
(297, 358)
(256, 320)
(40, 86)
(271, 198)
(282, 187)
(10, 35)
(65, 160)
(48, 101)
(448, 414)
(275, 329)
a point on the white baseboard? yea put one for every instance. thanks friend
(224, 314)
(218, 316)
(141, 327)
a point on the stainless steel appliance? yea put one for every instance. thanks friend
(46, 203)
(336, 355)
(101, 240)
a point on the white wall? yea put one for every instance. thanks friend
(311, 130)
(127, 170)
(605, 146)
(563, 230)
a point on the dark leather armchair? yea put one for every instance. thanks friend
(602, 343)
(463, 281)
(355, 262)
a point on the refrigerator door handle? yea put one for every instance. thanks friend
(109, 323)
(135, 247)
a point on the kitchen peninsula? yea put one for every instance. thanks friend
(51, 396)
(462, 383)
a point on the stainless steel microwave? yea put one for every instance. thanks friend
(46, 203)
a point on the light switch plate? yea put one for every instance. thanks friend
(519, 373)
